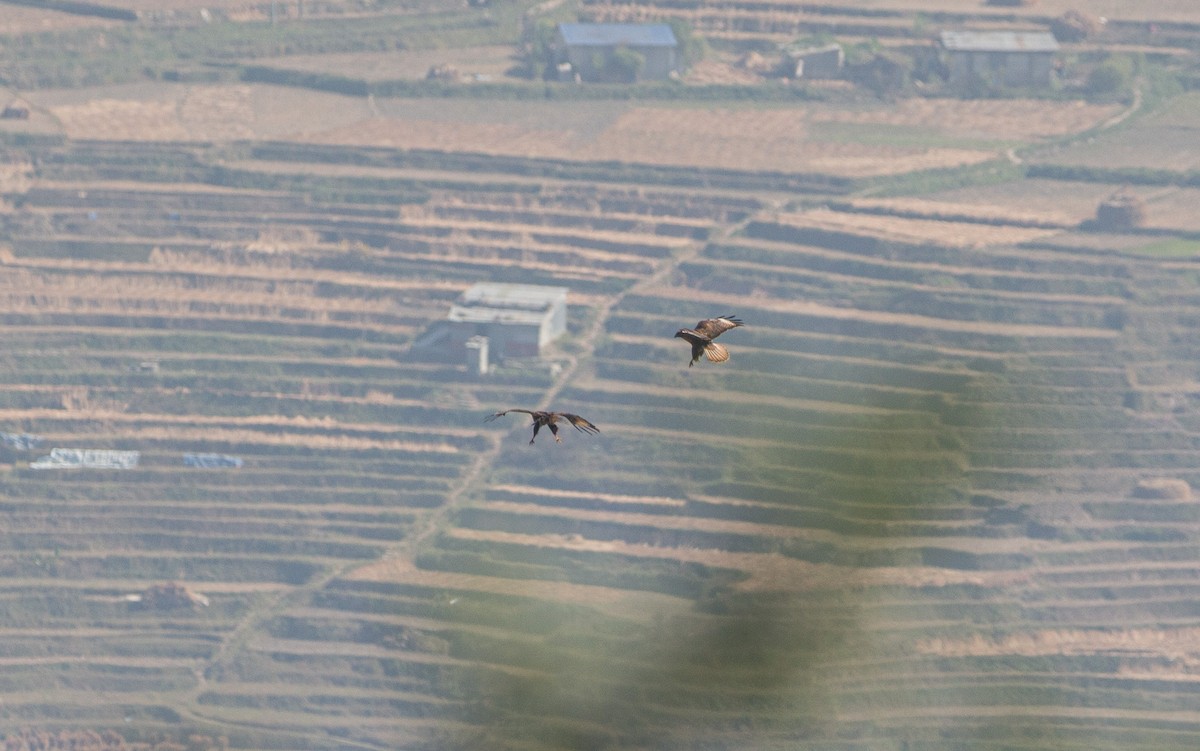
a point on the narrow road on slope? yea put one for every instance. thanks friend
(428, 523)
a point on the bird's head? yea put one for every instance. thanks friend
(679, 334)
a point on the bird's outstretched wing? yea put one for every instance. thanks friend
(716, 352)
(580, 424)
(714, 327)
(491, 417)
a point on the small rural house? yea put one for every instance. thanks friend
(1007, 58)
(505, 321)
(587, 48)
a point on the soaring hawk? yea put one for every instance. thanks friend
(550, 420)
(701, 338)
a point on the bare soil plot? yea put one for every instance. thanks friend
(767, 138)
(813, 138)
(946, 233)
(20, 19)
(756, 138)
(1072, 202)
(1022, 120)
(1064, 201)
(925, 208)
(170, 112)
(472, 63)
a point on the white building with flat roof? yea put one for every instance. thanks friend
(519, 320)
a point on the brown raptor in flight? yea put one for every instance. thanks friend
(550, 420)
(701, 338)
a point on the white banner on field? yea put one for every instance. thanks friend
(60, 458)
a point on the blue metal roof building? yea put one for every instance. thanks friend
(584, 49)
(613, 34)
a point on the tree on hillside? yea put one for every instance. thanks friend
(1113, 77)
(691, 48)
(538, 50)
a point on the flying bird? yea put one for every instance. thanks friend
(550, 420)
(701, 338)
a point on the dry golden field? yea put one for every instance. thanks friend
(169, 112)
(17, 19)
(487, 62)
(998, 119)
(756, 138)
(864, 141)
(1073, 202)
(917, 230)
(1037, 215)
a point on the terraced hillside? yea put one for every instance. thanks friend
(939, 495)
(154, 303)
(1159, 25)
(953, 461)
(939, 498)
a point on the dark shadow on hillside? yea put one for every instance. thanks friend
(749, 666)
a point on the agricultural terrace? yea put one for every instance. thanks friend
(891, 21)
(940, 496)
(816, 139)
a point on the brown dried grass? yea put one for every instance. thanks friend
(999, 119)
(182, 112)
(642, 500)
(768, 139)
(17, 19)
(1173, 643)
(805, 307)
(629, 603)
(22, 290)
(766, 571)
(924, 208)
(272, 430)
(903, 229)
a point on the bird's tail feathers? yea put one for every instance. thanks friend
(716, 352)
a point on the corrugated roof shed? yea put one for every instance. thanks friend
(487, 314)
(503, 295)
(616, 34)
(999, 41)
(488, 302)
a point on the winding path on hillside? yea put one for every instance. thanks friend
(428, 524)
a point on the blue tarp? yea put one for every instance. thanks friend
(211, 461)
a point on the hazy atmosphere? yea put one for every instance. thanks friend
(673, 375)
